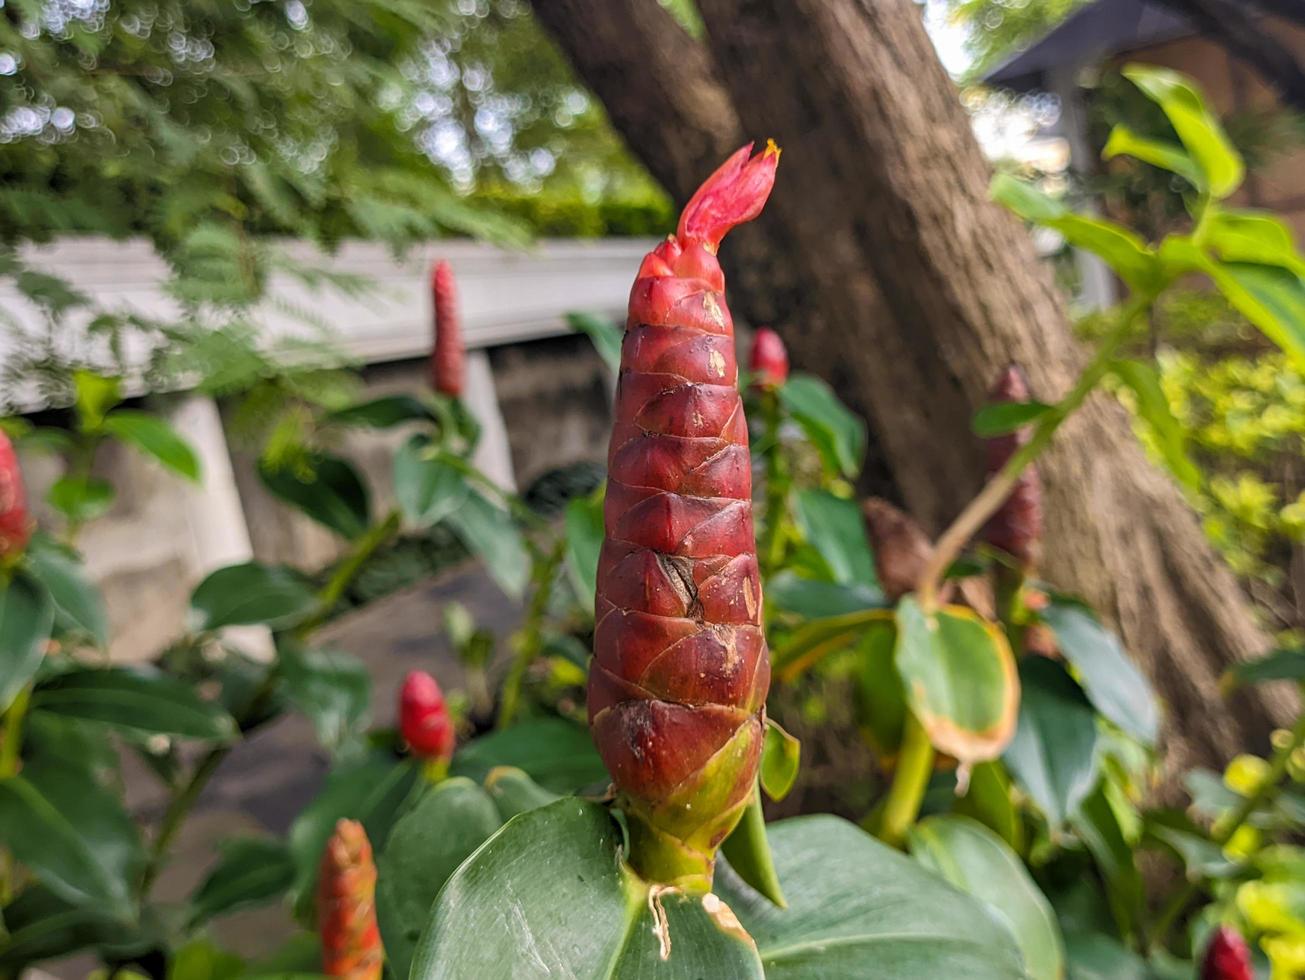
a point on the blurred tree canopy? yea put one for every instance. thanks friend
(995, 29)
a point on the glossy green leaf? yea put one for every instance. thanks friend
(781, 755)
(1054, 751)
(1197, 127)
(330, 687)
(135, 699)
(880, 694)
(747, 849)
(1001, 418)
(155, 438)
(427, 487)
(250, 871)
(489, 532)
(1152, 406)
(26, 618)
(960, 679)
(239, 595)
(1271, 297)
(73, 834)
(835, 527)
(1159, 153)
(94, 395)
(425, 846)
(81, 499)
(325, 488)
(979, 863)
(1253, 236)
(1279, 665)
(557, 754)
(813, 640)
(605, 335)
(838, 435)
(584, 540)
(1113, 684)
(383, 413)
(812, 599)
(78, 605)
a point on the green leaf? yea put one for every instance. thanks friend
(94, 396)
(200, 959)
(557, 754)
(1253, 236)
(1167, 156)
(489, 532)
(73, 834)
(239, 595)
(960, 679)
(979, 863)
(1096, 956)
(383, 413)
(154, 437)
(1202, 857)
(137, 699)
(250, 871)
(80, 499)
(838, 435)
(26, 618)
(584, 541)
(1197, 127)
(605, 335)
(514, 792)
(812, 641)
(78, 605)
(427, 487)
(1113, 684)
(1279, 665)
(1271, 297)
(811, 599)
(781, 755)
(1153, 407)
(426, 846)
(1096, 824)
(747, 849)
(835, 527)
(990, 800)
(331, 688)
(1001, 418)
(880, 695)
(326, 488)
(1054, 751)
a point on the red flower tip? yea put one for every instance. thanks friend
(424, 720)
(15, 522)
(1227, 957)
(1012, 385)
(346, 906)
(769, 362)
(734, 194)
(448, 360)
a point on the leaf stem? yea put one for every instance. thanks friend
(530, 640)
(13, 733)
(914, 764)
(976, 514)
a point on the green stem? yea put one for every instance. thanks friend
(914, 765)
(530, 641)
(364, 548)
(994, 494)
(777, 486)
(12, 735)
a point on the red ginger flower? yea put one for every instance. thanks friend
(769, 362)
(1227, 957)
(1017, 527)
(448, 360)
(346, 906)
(680, 669)
(424, 718)
(15, 523)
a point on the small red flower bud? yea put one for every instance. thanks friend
(424, 718)
(346, 906)
(1017, 527)
(1227, 957)
(15, 523)
(448, 359)
(769, 364)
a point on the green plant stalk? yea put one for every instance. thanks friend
(12, 734)
(184, 800)
(1010, 605)
(530, 641)
(771, 548)
(914, 764)
(1272, 780)
(994, 494)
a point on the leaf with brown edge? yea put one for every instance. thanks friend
(960, 679)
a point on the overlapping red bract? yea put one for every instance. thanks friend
(769, 361)
(346, 906)
(1227, 957)
(680, 667)
(1017, 527)
(424, 720)
(448, 359)
(15, 522)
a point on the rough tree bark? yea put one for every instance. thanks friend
(889, 272)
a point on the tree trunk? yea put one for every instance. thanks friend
(889, 273)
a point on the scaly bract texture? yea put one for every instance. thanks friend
(448, 359)
(346, 906)
(680, 671)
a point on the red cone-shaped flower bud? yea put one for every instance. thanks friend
(901, 548)
(1227, 957)
(680, 669)
(769, 364)
(448, 361)
(424, 720)
(15, 522)
(346, 906)
(1017, 527)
